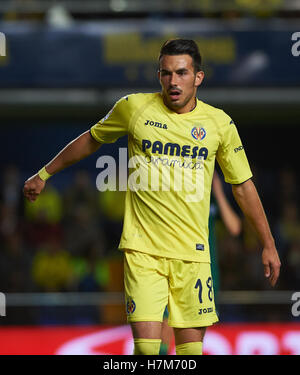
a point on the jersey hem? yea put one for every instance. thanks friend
(161, 255)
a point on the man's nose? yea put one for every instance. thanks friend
(173, 80)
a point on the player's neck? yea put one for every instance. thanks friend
(194, 105)
(189, 107)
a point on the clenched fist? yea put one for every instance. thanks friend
(33, 187)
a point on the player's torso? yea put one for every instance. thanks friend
(177, 151)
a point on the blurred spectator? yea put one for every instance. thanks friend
(289, 224)
(82, 230)
(80, 192)
(11, 201)
(43, 218)
(288, 238)
(91, 274)
(231, 263)
(111, 204)
(52, 267)
(91, 271)
(240, 260)
(292, 264)
(81, 222)
(15, 265)
(10, 194)
(9, 221)
(288, 187)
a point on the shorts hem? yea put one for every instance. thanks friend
(204, 323)
(147, 319)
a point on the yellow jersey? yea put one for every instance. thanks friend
(171, 161)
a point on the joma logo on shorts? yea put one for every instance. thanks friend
(156, 124)
(205, 311)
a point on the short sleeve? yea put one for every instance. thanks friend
(231, 155)
(115, 124)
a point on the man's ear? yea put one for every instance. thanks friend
(158, 75)
(199, 78)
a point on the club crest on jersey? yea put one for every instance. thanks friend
(198, 133)
(130, 306)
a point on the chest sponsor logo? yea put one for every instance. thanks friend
(156, 124)
(169, 148)
(198, 133)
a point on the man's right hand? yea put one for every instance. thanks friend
(33, 187)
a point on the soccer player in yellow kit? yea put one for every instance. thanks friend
(165, 232)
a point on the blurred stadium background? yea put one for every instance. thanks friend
(63, 66)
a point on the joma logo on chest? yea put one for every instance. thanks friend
(156, 124)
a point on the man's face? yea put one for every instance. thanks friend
(179, 82)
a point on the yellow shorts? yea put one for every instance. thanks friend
(152, 283)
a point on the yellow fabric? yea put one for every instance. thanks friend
(153, 282)
(189, 348)
(146, 346)
(167, 214)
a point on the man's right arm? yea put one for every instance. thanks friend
(75, 151)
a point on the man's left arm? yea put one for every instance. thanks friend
(248, 199)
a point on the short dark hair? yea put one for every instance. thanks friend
(182, 47)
